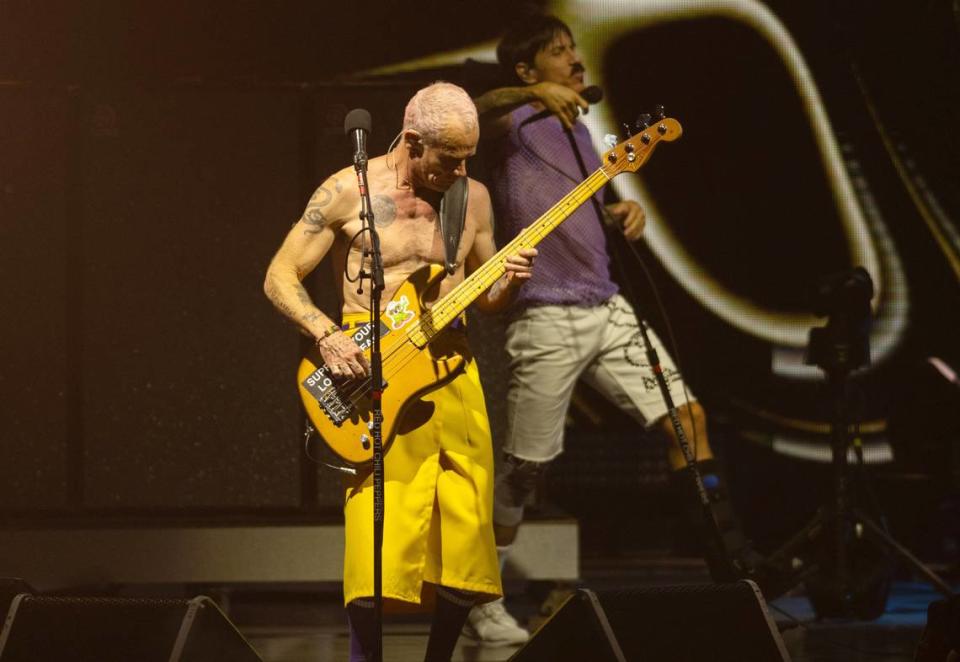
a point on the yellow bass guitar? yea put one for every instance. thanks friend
(418, 356)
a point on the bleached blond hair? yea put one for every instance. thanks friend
(430, 110)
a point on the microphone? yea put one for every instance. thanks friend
(591, 95)
(357, 125)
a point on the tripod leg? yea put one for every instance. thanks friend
(905, 553)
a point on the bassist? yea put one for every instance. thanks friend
(438, 536)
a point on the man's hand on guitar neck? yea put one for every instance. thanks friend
(519, 267)
(342, 356)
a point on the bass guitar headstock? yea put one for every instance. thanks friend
(633, 152)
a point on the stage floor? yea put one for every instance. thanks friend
(310, 627)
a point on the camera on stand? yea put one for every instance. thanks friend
(843, 345)
(854, 568)
(845, 555)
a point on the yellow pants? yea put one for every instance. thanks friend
(438, 504)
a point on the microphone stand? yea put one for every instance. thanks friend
(376, 391)
(722, 565)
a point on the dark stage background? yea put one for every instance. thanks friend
(153, 156)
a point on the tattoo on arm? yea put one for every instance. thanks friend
(313, 217)
(302, 295)
(316, 221)
(273, 292)
(501, 101)
(384, 210)
(312, 314)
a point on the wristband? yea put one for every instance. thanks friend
(329, 332)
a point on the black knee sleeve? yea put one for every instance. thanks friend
(515, 484)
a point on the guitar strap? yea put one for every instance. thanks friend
(453, 212)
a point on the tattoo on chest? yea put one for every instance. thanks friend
(384, 210)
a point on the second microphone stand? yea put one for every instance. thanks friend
(722, 567)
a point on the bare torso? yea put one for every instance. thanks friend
(409, 229)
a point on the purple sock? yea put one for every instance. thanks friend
(363, 633)
(356, 652)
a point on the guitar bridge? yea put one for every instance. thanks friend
(321, 386)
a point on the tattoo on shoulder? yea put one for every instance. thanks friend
(321, 197)
(384, 210)
(313, 217)
(314, 220)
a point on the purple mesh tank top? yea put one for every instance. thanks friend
(573, 267)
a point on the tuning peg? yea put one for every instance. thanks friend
(643, 121)
(628, 130)
(659, 112)
(610, 140)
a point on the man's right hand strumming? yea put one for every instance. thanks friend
(342, 356)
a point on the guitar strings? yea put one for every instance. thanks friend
(529, 237)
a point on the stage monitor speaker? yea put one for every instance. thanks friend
(716, 622)
(120, 630)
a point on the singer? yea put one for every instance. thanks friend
(438, 536)
(569, 321)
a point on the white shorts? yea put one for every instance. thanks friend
(551, 347)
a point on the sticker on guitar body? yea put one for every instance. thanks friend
(398, 313)
(319, 382)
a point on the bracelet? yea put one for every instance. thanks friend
(329, 332)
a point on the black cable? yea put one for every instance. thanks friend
(674, 346)
(363, 254)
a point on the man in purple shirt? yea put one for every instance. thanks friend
(569, 322)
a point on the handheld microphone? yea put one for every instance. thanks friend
(357, 125)
(591, 95)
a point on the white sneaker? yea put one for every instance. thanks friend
(490, 623)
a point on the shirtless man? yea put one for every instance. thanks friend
(438, 535)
